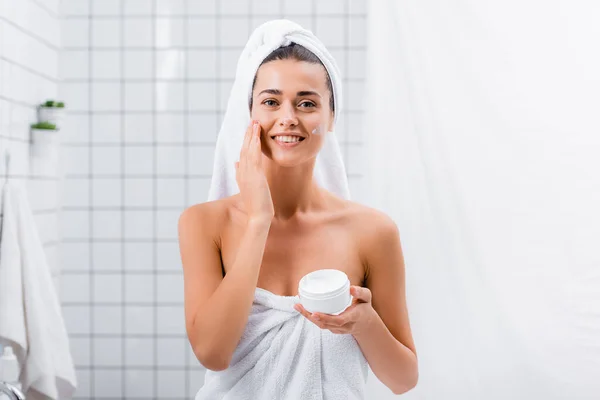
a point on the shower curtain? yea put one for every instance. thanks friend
(482, 138)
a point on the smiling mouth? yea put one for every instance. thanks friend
(287, 141)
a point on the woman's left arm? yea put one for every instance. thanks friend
(378, 318)
(387, 341)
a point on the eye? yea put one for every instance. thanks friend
(269, 100)
(308, 102)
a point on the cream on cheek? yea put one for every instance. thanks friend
(317, 131)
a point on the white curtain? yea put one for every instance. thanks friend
(482, 136)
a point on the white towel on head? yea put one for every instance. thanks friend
(329, 172)
(284, 356)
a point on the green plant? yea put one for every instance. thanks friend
(53, 104)
(44, 125)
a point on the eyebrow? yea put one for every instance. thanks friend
(299, 94)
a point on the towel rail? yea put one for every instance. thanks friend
(12, 391)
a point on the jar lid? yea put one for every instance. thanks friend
(323, 283)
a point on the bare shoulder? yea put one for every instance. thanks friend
(202, 212)
(376, 235)
(371, 224)
(207, 217)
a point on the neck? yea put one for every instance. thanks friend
(293, 189)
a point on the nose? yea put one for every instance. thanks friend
(288, 117)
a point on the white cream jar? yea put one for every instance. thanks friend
(326, 291)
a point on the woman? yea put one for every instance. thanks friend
(283, 225)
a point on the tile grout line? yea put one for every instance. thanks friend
(32, 35)
(186, 155)
(50, 12)
(210, 16)
(122, 208)
(31, 70)
(218, 48)
(156, 48)
(346, 46)
(154, 203)
(90, 210)
(164, 80)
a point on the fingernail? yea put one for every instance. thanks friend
(316, 317)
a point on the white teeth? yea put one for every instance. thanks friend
(287, 139)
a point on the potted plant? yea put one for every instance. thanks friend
(43, 134)
(51, 111)
(44, 126)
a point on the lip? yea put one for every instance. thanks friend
(287, 145)
(287, 134)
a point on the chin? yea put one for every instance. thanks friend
(287, 161)
(290, 157)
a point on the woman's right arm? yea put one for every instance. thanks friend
(217, 308)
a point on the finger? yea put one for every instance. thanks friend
(361, 293)
(351, 307)
(307, 315)
(331, 320)
(324, 321)
(255, 148)
(302, 310)
(247, 139)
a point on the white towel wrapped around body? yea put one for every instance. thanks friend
(31, 319)
(284, 356)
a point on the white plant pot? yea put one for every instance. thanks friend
(45, 149)
(54, 115)
(45, 143)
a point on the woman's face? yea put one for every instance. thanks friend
(291, 96)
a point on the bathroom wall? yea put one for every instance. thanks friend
(147, 84)
(29, 51)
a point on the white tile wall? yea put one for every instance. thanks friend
(148, 82)
(29, 49)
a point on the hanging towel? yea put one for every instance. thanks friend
(284, 356)
(329, 171)
(30, 314)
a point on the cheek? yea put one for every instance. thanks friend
(319, 126)
(257, 111)
(265, 119)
